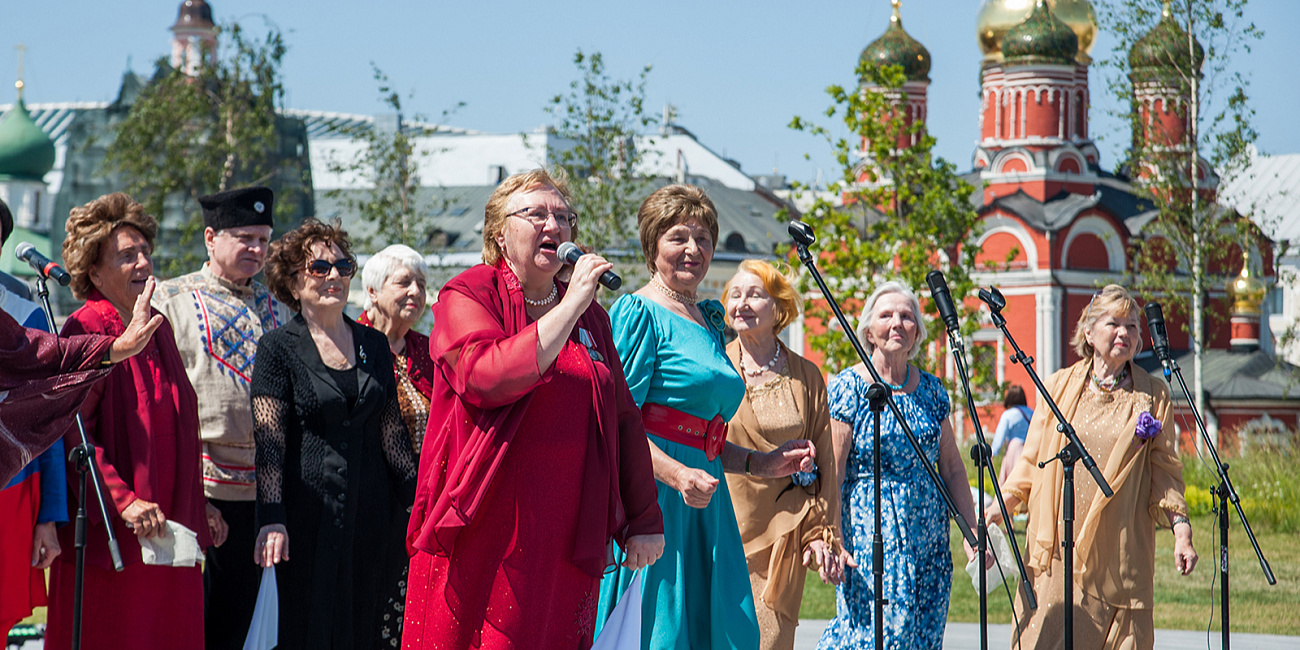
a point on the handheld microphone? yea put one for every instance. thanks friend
(42, 264)
(569, 254)
(1159, 335)
(942, 299)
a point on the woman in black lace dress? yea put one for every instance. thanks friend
(335, 470)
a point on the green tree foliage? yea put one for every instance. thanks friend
(392, 205)
(1184, 50)
(904, 212)
(595, 141)
(189, 136)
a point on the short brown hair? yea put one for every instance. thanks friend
(669, 206)
(776, 284)
(288, 255)
(494, 213)
(1113, 299)
(90, 225)
(1015, 397)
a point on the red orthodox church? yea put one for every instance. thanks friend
(1048, 204)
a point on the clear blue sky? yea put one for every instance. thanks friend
(736, 71)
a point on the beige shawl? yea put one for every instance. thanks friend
(1115, 550)
(789, 523)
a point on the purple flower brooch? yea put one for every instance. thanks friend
(1147, 427)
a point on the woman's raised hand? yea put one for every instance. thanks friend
(139, 330)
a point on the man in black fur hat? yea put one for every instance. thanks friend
(218, 313)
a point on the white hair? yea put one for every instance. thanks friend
(868, 314)
(383, 264)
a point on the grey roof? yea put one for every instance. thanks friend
(458, 212)
(1052, 215)
(328, 124)
(1112, 193)
(1235, 376)
(1268, 190)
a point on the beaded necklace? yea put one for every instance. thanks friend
(1112, 384)
(770, 365)
(906, 380)
(667, 291)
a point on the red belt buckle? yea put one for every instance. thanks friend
(716, 438)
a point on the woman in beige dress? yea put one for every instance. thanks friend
(786, 524)
(1122, 415)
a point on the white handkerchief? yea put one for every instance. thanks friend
(178, 546)
(1002, 551)
(622, 629)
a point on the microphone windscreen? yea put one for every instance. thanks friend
(569, 252)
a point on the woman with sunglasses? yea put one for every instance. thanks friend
(335, 470)
(535, 457)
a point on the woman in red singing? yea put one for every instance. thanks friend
(535, 456)
(144, 420)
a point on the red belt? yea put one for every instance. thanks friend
(670, 424)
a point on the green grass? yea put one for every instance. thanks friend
(1181, 602)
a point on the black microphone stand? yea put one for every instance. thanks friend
(1224, 494)
(876, 395)
(1073, 452)
(803, 237)
(982, 454)
(83, 458)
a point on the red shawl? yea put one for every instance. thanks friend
(43, 379)
(419, 366)
(485, 354)
(144, 422)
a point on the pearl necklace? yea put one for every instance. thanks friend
(675, 295)
(771, 365)
(550, 297)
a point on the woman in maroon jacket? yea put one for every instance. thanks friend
(535, 456)
(144, 420)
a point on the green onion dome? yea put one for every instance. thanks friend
(897, 47)
(26, 153)
(1164, 51)
(1041, 38)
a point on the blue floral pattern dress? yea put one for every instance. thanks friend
(918, 562)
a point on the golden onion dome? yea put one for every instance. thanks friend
(997, 17)
(1246, 290)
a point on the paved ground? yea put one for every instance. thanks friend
(966, 636)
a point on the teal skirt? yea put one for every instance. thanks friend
(697, 595)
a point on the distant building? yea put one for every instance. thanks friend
(1056, 225)
(80, 133)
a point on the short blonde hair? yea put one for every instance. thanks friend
(776, 285)
(90, 225)
(494, 213)
(669, 206)
(869, 311)
(1113, 300)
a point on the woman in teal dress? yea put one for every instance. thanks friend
(698, 594)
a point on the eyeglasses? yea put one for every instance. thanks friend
(539, 216)
(347, 267)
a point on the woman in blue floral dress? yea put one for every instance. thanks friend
(918, 563)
